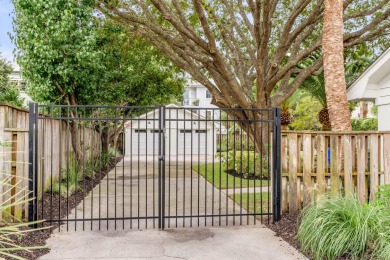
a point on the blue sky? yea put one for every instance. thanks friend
(6, 46)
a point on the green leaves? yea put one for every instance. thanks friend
(66, 50)
(8, 92)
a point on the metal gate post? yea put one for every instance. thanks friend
(32, 164)
(161, 169)
(276, 171)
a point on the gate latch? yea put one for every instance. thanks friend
(161, 158)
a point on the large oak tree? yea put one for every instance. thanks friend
(246, 52)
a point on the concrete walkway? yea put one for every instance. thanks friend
(130, 190)
(253, 242)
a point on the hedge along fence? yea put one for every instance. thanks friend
(51, 156)
(336, 162)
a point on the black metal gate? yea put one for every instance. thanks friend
(103, 167)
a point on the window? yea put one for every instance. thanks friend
(185, 131)
(201, 131)
(186, 102)
(140, 130)
(186, 94)
(208, 94)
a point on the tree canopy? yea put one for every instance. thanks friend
(246, 52)
(8, 93)
(71, 56)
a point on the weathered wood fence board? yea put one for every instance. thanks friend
(338, 163)
(54, 147)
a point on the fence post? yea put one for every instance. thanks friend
(32, 165)
(276, 169)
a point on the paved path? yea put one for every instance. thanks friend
(254, 242)
(130, 190)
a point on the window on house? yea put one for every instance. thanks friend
(186, 94)
(208, 94)
(186, 102)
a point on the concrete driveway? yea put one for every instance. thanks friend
(130, 191)
(240, 242)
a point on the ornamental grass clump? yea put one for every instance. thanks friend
(333, 227)
(11, 231)
(382, 242)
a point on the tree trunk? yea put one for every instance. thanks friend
(335, 85)
(363, 109)
(76, 143)
(259, 133)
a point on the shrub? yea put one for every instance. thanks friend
(364, 124)
(248, 164)
(333, 227)
(382, 241)
(71, 178)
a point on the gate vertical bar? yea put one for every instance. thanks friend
(162, 131)
(276, 171)
(161, 168)
(32, 166)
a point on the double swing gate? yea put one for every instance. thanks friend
(103, 167)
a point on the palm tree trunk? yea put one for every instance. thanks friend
(333, 49)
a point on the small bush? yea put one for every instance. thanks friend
(71, 178)
(248, 164)
(334, 227)
(364, 124)
(382, 241)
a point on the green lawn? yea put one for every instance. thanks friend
(253, 202)
(216, 175)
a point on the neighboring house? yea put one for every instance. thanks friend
(363, 110)
(186, 133)
(374, 85)
(16, 79)
(196, 96)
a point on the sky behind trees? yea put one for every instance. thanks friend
(6, 46)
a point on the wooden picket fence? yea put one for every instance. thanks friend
(14, 152)
(337, 162)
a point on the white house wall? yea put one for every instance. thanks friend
(384, 113)
(175, 120)
(374, 85)
(383, 103)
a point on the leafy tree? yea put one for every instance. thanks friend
(305, 114)
(357, 59)
(71, 56)
(8, 92)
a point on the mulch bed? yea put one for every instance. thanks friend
(59, 206)
(234, 173)
(287, 228)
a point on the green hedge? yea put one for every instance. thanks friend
(364, 124)
(246, 163)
